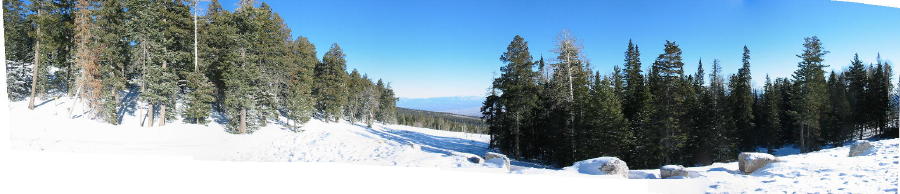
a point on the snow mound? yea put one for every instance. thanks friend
(601, 166)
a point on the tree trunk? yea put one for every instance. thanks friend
(35, 67)
(150, 117)
(162, 110)
(162, 115)
(243, 125)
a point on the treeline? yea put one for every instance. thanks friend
(562, 111)
(440, 121)
(242, 64)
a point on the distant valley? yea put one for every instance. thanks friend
(462, 105)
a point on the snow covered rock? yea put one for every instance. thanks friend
(750, 161)
(672, 171)
(496, 159)
(861, 148)
(602, 166)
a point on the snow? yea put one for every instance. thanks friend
(671, 167)
(751, 156)
(824, 171)
(49, 128)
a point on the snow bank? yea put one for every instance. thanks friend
(601, 166)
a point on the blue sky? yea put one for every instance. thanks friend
(452, 48)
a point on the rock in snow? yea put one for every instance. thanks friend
(475, 159)
(602, 166)
(672, 171)
(750, 161)
(861, 148)
(497, 159)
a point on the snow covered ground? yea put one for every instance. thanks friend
(50, 128)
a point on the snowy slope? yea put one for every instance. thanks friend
(49, 128)
(824, 171)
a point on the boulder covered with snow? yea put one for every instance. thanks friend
(496, 159)
(861, 148)
(750, 161)
(601, 166)
(672, 171)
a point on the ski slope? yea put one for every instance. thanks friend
(51, 128)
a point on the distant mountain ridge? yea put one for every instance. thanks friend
(462, 105)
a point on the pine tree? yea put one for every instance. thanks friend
(19, 44)
(789, 116)
(811, 93)
(298, 99)
(667, 82)
(722, 125)
(39, 18)
(355, 87)
(835, 125)
(17, 26)
(635, 95)
(387, 107)
(570, 84)
(516, 85)
(701, 124)
(199, 98)
(857, 79)
(330, 88)
(156, 26)
(88, 84)
(606, 131)
(113, 56)
(879, 96)
(741, 106)
(370, 102)
(54, 32)
(636, 107)
(770, 112)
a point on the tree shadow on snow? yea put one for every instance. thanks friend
(443, 145)
(44, 102)
(129, 104)
(431, 143)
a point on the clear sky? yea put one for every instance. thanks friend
(437, 48)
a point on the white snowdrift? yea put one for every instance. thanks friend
(49, 128)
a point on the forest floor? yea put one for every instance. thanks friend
(50, 127)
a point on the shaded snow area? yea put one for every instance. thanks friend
(50, 128)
